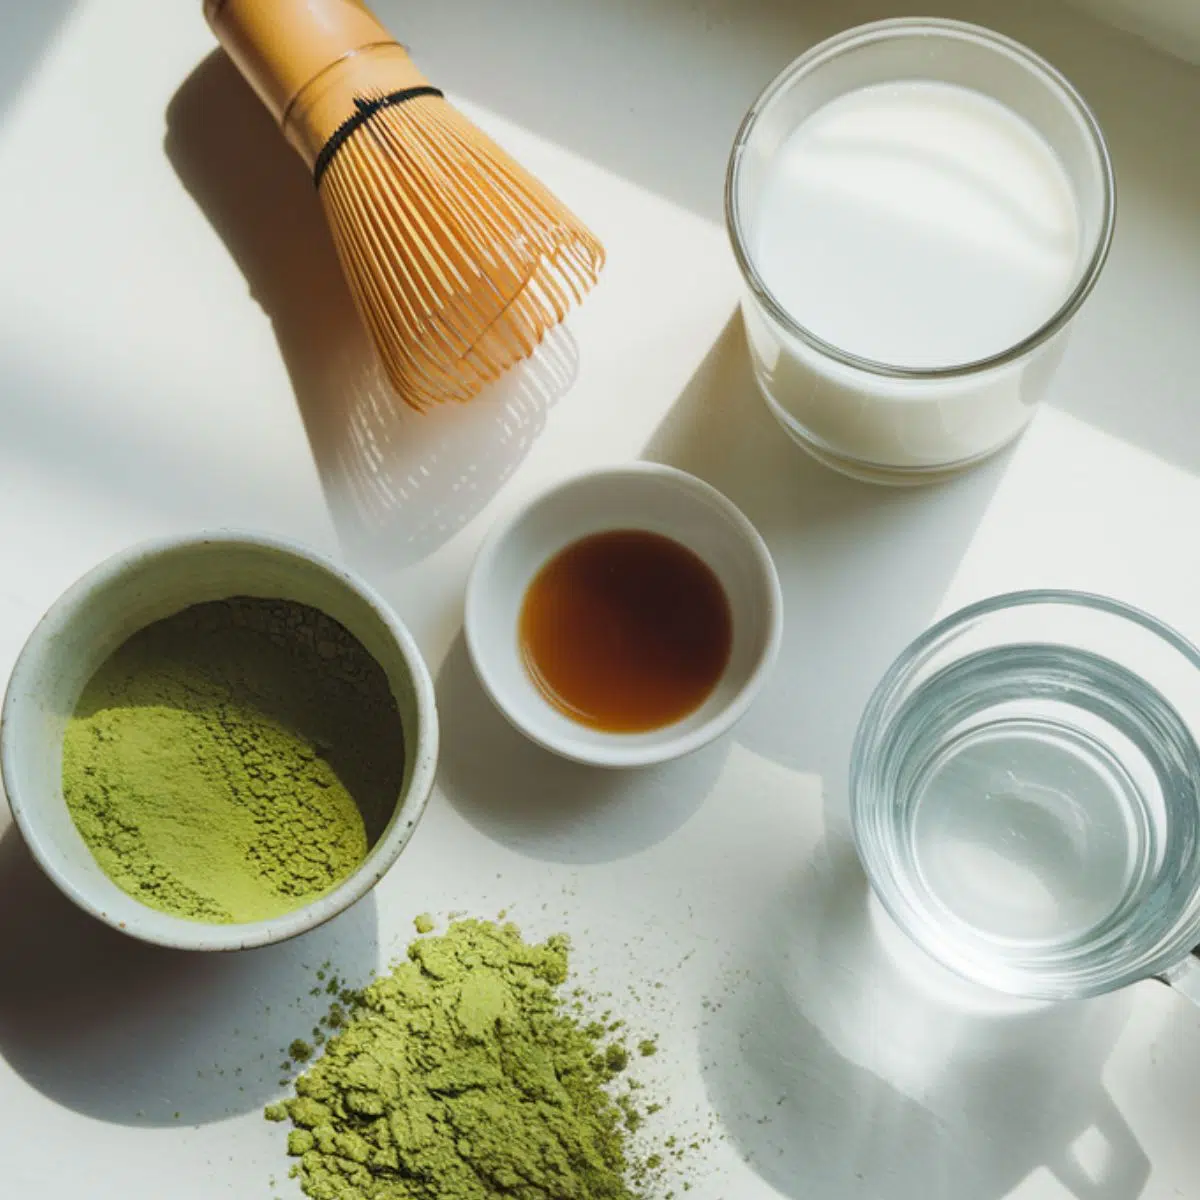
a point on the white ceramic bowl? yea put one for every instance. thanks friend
(644, 496)
(132, 590)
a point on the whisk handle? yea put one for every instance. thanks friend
(287, 47)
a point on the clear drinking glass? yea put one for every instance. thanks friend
(880, 421)
(1025, 796)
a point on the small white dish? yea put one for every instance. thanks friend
(123, 595)
(641, 496)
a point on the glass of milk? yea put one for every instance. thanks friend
(918, 207)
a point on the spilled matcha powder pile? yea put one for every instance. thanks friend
(465, 1075)
(234, 761)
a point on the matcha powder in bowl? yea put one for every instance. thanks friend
(235, 761)
(463, 1074)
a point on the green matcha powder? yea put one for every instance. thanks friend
(235, 761)
(464, 1075)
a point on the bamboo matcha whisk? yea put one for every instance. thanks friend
(458, 259)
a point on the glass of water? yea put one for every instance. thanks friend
(1025, 796)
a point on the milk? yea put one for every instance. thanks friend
(921, 225)
(918, 224)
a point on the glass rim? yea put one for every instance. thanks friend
(876, 31)
(917, 650)
(1149, 962)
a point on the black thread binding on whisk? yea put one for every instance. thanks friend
(364, 111)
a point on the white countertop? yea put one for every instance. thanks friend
(176, 352)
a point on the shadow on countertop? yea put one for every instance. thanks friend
(894, 552)
(134, 1034)
(838, 1063)
(28, 31)
(545, 807)
(398, 483)
(863, 568)
(655, 93)
(844, 1066)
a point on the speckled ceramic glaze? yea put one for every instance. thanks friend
(110, 604)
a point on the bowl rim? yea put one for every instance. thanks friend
(181, 933)
(949, 29)
(612, 753)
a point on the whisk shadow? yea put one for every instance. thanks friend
(398, 483)
(413, 479)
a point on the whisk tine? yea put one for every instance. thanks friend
(410, 282)
(501, 171)
(484, 280)
(421, 282)
(499, 219)
(485, 226)
(397, 350)
(425, 211)
(459, 261)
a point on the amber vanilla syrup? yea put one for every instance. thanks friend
(626, 631)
